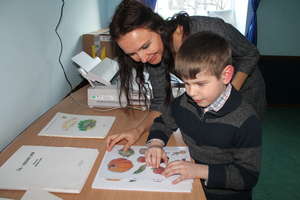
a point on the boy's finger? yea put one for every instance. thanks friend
(177, 180)
(148, 157)
(165, 159)
(158, 159)
(171, 169)
(173, 164)
(153, 160)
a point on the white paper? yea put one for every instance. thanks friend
(85, 61)
(146, 180)
(54, 169)
(78, 126)
(96, 70)
(105, 70)
(36, 194)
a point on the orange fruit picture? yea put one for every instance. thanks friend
(120, 165)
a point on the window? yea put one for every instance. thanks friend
(231, 11)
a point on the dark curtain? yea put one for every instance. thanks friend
(251, 29)
(150, 3)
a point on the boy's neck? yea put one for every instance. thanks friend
(220, 101)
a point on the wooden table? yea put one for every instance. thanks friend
(125, 119)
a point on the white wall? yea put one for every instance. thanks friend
(32, 80)
(107, 10)
(279, 27)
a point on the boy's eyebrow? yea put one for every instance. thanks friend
(196, 82)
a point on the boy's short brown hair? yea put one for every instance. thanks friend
(202, 51)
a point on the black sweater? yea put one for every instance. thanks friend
(228, 141)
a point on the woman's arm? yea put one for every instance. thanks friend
(238, 80)
(245, 56)
(132, 135)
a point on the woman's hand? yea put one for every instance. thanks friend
(131, 136)
(186, 170)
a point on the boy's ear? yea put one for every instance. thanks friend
(227, 74)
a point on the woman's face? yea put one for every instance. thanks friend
(142, 45)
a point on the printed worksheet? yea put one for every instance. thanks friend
(121, 170)
(54, 169)
(78, 126)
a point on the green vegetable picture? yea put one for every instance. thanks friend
(140, 169)
(85, 125)
(127, 153)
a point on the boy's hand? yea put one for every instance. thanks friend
(155, 154)
(186, 170)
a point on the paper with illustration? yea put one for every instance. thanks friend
(128, 171)
(81, 126)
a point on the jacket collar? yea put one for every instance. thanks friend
(233, 101)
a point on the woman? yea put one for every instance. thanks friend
(144, 41)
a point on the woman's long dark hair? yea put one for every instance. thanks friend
(130, 15)
(179, 19)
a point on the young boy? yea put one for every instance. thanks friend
(221, 130)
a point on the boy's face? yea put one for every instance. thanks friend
(206, 88)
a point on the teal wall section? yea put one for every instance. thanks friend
(279, 27)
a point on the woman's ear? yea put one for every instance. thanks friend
(227, 74)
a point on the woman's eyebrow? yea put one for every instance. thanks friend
(141, 47)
